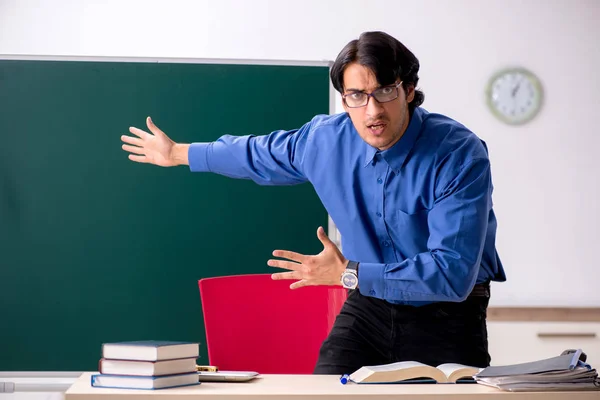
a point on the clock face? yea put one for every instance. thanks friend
(514, 95)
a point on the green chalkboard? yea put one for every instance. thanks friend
(95, 248)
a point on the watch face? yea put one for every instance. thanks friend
(514, 95)
(349, 280)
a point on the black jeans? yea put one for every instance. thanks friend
(370, 331)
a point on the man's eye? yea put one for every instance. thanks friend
(357, 96)
(387, 90)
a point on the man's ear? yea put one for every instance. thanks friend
(410, 93)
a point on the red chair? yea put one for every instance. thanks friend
(254, 323)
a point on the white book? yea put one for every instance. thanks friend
(144, 382)
(150, 350)
(147, 368)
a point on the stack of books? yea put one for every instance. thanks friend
(569, 371)
(147, 364)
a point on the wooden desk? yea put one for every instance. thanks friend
(312, 387)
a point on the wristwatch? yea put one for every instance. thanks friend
(350, 275)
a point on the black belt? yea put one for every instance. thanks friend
(481, 290)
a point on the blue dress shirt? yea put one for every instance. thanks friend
(418, 216)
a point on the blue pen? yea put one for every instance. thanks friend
(575, 359)
(344, 379)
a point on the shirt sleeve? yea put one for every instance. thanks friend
(274, 159)
(457, 223)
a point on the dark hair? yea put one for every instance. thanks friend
(386, 57)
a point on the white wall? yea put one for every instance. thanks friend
(547, 190)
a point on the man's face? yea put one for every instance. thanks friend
(379, 124)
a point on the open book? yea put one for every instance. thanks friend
(412, 370)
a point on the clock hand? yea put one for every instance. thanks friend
(515, 89)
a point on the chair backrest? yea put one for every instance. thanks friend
(254, 323)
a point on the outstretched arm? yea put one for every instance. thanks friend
(274, 159)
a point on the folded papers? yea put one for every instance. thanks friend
(565, 372)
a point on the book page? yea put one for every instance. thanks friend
(396, 366)
(396, 372)
(457, 371)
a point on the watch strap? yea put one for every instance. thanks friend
(353, 265)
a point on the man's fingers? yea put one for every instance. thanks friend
(140, 159)
(290, 275)
(285, 275)
(132, 140)
(138, 132)
(153, 128)
(292, 266)
(323, 237)
(299, 284)
(133, 149)
(290, 255)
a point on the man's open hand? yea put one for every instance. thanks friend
(325, 268)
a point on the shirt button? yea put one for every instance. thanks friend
(380, 181)
(386, 243)
(378, 214)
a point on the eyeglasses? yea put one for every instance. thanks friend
(382, 95)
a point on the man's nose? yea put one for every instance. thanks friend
(374, 108)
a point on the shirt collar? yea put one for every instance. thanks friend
(396, 155)
(370, 154)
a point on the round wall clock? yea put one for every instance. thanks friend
(514, 95)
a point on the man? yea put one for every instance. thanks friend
(410, 193)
